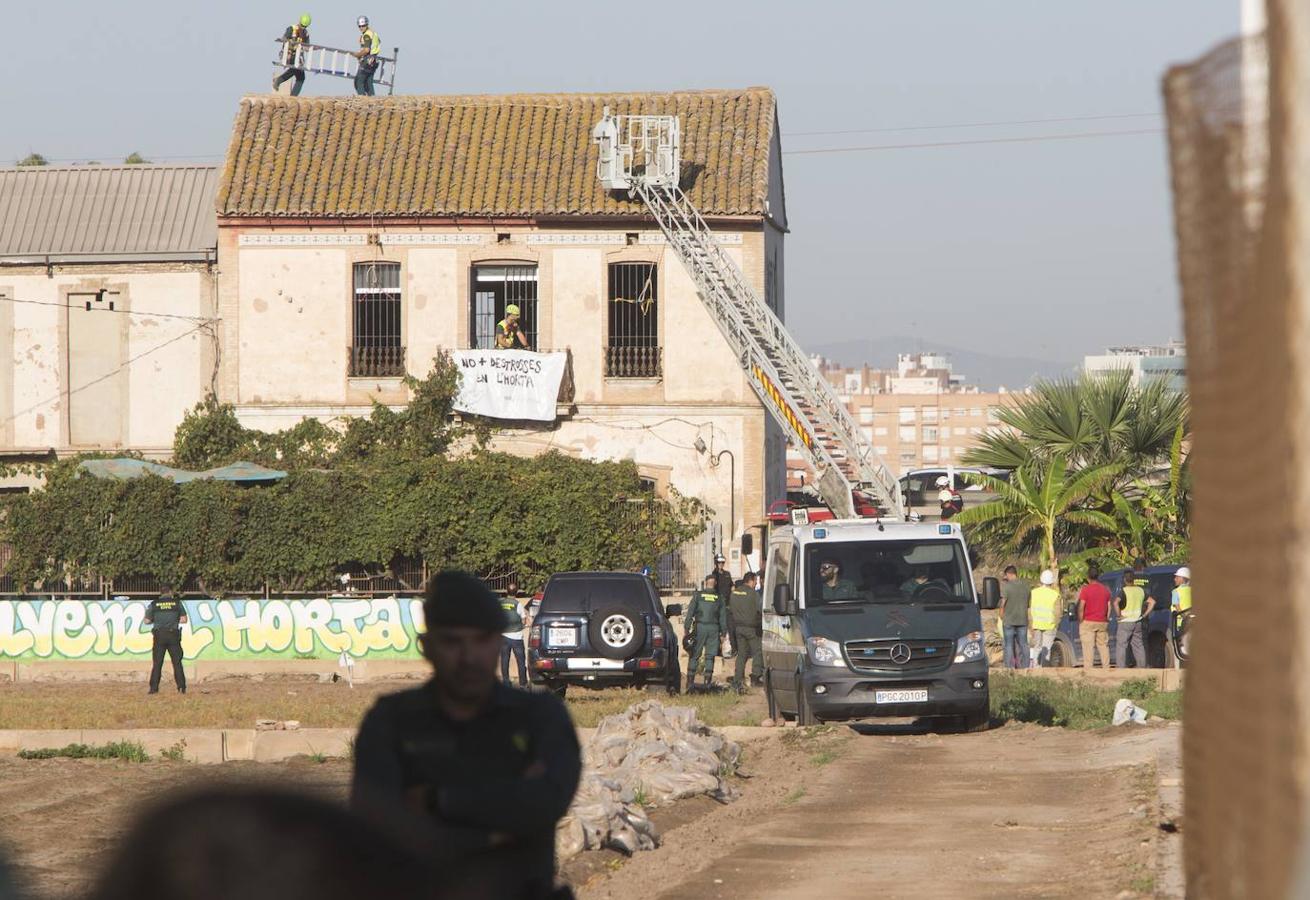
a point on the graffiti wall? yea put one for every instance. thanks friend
(319, 628)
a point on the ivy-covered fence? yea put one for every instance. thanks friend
(382, 496)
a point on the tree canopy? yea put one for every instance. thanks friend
(1098, 470)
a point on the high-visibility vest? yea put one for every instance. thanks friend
(1134, 601)
(1044, 605)
(368, 42)
(513, 618)
(1183, 597)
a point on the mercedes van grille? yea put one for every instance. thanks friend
(886, 655)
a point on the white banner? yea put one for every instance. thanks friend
(509, 384)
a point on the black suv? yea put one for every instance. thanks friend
(601, 628)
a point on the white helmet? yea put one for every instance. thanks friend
(362, 21)
(943, 481)
(1048, 577)
(1184, 572)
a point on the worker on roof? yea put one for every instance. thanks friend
(296, 36)
(509, 333)
(369, 49)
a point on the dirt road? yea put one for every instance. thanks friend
(64, 816)
(1021, 811)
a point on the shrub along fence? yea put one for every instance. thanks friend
(384, 526)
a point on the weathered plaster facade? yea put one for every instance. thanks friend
(75, 379)
(285, 303)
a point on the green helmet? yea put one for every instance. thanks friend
(305, 20)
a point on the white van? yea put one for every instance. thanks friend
(865, 619)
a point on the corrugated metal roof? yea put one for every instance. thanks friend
(120, 212)
(512, 155)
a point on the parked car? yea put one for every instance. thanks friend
(919, 486)
(1068, 649)
(597, 629)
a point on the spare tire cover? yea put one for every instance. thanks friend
(616, 632)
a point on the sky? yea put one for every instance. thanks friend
(1039, 248)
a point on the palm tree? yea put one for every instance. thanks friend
(1092, 421)
(1151, 516)
(1041, 503)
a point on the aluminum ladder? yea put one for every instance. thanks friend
(333, 61)
(640, 153)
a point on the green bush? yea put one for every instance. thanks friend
(378, 493)
(1074, 704)
(131, 751)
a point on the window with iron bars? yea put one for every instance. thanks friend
(492, 289)
(377, 349)
(633, 349)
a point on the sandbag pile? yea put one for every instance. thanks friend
(646, 755)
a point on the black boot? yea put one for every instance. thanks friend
(691, 681)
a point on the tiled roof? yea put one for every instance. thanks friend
(120, 212)
(514, 155)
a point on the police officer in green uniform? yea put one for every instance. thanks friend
(166, 615)
(706, 621)
(515, 608)
(746, 612)
(486, 769)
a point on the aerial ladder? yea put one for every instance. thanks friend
(641, 155)
(318, 60)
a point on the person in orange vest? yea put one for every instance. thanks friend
(1043, 618)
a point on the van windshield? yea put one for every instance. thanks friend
(931, 571)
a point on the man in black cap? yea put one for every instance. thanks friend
(491, 767)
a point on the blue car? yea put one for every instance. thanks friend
(1068, 648)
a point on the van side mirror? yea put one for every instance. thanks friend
(747, 544)
(991, 593)
(673, 610)
(783, 602)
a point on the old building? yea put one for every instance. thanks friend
(107, 300)
(358, 238)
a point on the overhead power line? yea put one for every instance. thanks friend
(82, 387)
(122, 312)
(1030, 139)
(1051, 121)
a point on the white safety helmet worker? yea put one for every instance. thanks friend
(1184, 572)
(362, 21)
(1048, 577)
(943, 481)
